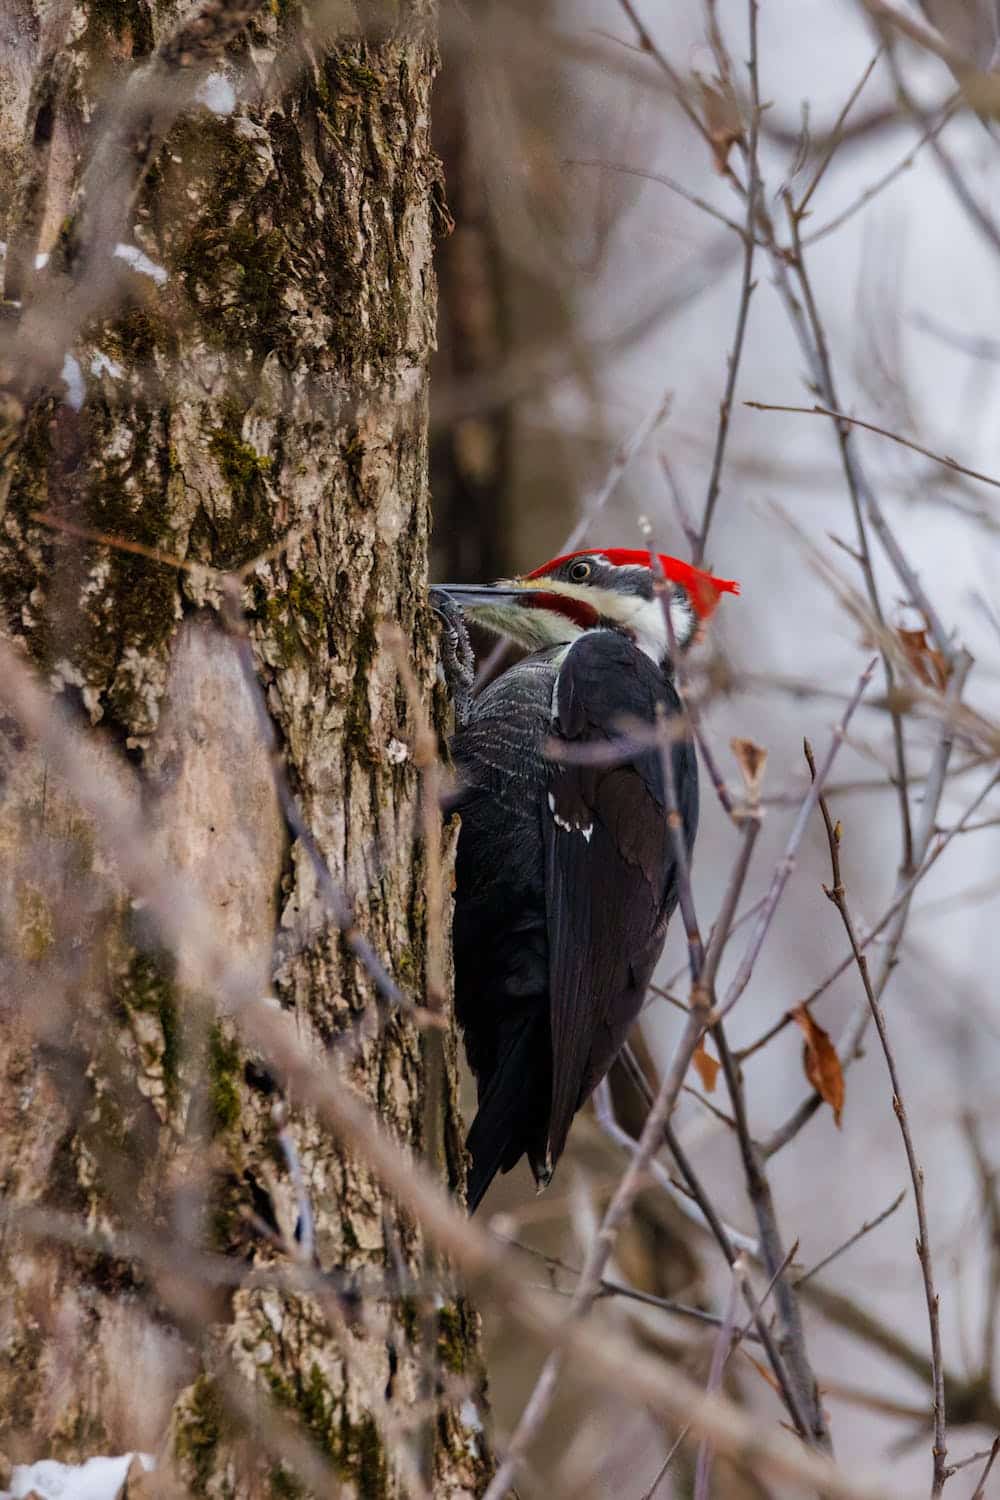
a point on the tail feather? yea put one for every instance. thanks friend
(506, 1123)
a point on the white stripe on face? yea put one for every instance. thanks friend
(630, 611)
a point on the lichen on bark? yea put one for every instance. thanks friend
(269, 387)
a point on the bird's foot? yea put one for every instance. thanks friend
(542, 1168)
(458, 664)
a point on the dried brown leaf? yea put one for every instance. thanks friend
(752, 760)
(926, 661)
(707, 1066)
(820, 1061)
(722, 120)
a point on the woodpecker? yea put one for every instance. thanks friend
(565, 870)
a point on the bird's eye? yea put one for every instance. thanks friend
(579, 571)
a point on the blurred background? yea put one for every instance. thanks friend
(577, 295)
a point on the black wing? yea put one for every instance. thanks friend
(609, 864)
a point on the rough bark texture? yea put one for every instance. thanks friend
(272, 386)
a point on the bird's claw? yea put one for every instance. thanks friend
(458, 663)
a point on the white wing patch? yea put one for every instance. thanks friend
(567, 827)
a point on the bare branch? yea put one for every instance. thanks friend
(858, 1234)
(837, 134)
(720, 1354)
(787, 862)
(895, 437)
(935, 125)
(746, 292)
(838, 896)
(980, 1489)
(899, 909)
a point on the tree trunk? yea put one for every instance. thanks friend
(254, 388)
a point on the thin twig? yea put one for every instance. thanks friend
(672, 1452)
(304, 1234)
(858, 1234)
(975, 1458)
(991, 1203)
(626, 451)
(713, 1109)
(849, 1045)
(592, 508)
(663, 991)
(837, 134)
(895, 437)
(681, 508)
(838, 896)
(629, 1293)
(812, 337)
(793, 1343)
(725, 923)
(690, 723)
(725, 1237)
(720, 1354)
(886, 180)
(746, 292)
(682, 1195)
(900, 899)
(666, 67)
(861, 491)
(786, 864)
(980, 1490)
(976, 212)
(670, 183)
(685, 896)
(738, 1336)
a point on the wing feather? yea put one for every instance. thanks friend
(609, 865)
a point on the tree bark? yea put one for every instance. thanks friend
(254, 388)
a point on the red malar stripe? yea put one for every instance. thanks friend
(576, 610)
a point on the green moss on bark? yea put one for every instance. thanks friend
(224, 1079)
(355, 1447)
(232, 258)
(123, 607)
(348, 73)
(453, 1338)
(200, 1427)
(285, 1486)
(242, 466)
(293, 619)
(358, 718)
(128, 22)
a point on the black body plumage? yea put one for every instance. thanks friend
(565, 882)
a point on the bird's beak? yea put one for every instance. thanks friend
(477, 595)
(504, 608)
